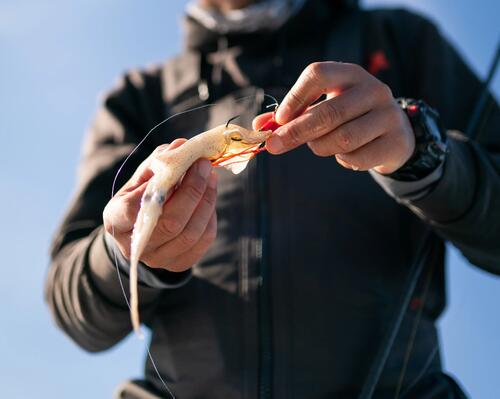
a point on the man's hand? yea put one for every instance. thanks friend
(359, 122)
(187, 226)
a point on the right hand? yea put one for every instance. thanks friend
(187, 226)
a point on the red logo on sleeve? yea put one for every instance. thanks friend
(377, 62)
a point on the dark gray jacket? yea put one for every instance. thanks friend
(293, 298)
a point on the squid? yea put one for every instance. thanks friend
(230, 146)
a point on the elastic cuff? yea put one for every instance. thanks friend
(147, 276)
(453, 195)
(408, 190)
(104, 274)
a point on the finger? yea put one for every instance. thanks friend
(143, 172)
(133, 193)
(325, 117)
(374, 154)
(317, 79)
(172, 146)
(352, 135)
(197, 224)
(261, 119)
(121, 211)
(187, 259)
(178, 209)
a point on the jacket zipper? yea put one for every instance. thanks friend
(264, 297)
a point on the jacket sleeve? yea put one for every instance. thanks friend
(82, 286)
(464, 205)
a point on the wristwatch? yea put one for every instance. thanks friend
(430, 141)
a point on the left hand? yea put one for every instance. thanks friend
(359, 122)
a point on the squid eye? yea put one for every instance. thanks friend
(236, 138)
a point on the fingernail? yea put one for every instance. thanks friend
(212, 181)
(275, 144)
(347, 164)
(282, 113)
(204, 168)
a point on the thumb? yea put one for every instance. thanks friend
(143, 173)
(261, 120)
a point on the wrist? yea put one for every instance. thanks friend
(147, 276)
(430, 142)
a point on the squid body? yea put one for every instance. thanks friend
(228, 145)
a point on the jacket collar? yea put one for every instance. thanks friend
(299, 26)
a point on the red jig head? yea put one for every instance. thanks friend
(271, 124)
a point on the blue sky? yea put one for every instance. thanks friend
(56, 59)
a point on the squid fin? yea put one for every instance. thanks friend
(238, 163)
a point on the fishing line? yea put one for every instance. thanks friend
(231, 119)
(473, 131)
(275, 104)
(413, 333)
(384, 350)
(128, 304)
(424, 369)
(113, 189)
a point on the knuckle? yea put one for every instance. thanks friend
(333, 112)
(188, 238)
(357, 69)
(295, 98)
(210, 197)
(195, 190)
(384, 91)
(293, 137)
(345, 139)
(170, 227)
(315, 71)
(318, 148)
(327, 116)
(161, 148)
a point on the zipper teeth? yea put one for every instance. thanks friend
(243, 287)
(265, 320)
(258, 249)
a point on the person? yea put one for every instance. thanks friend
(281, 281)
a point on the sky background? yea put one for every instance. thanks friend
(56, 58)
